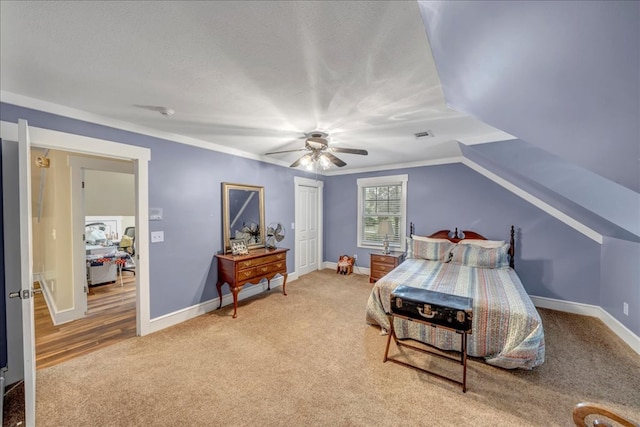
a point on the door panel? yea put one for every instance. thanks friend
(307, 229)
(26, 275)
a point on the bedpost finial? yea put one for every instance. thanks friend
(512, 248)
(455, 236)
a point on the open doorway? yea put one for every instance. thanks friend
(88, 299)
(17, 190)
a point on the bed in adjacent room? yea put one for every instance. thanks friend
(507, 330)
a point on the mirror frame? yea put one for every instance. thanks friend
(226, 220)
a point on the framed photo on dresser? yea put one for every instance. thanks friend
(238, 247)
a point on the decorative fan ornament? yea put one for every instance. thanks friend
(251, 232)
(320, 153)
(275, 235)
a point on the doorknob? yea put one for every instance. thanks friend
(25, 293)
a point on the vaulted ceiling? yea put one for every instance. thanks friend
(564, 77)
(248, 76)
(254, 77)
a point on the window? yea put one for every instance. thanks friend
(382, 199)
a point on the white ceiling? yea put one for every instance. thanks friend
(251, 76)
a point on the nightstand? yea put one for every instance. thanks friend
(381, 264)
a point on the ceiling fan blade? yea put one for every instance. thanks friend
(349, 150)
(297, 162)
(286, 151)
(336, 161)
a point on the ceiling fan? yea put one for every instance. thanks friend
(319, 152)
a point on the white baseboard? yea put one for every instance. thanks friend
(185, 314)
(593, 311)
(58, 317)
(356, 269)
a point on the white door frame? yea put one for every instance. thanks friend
(46, 138)
(78, 165)
(306, 182)
(141, 156)
(26, 273)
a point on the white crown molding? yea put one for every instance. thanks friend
(72, 113)
(443, 161)
(561, 216)
(27, 102)
(487, 138)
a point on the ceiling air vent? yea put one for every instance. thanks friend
(424, 134)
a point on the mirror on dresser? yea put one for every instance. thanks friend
(243, 215)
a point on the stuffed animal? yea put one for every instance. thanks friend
(345, 265)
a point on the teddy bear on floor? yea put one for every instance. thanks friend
(345, 265)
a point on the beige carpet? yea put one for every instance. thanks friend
(309, 359)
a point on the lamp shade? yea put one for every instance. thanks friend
(385, 228)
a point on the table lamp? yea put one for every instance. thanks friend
(385, 227)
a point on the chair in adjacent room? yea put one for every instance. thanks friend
(128, 245)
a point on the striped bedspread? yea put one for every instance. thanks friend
(507, 329)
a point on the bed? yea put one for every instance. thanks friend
(507, 330)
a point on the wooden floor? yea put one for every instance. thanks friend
(111, 317)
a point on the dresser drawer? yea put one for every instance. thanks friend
(278, 267)
(382, 264)
(245, 274)
(247, 263)
(383, 260)
(380, 270)
(261, 270)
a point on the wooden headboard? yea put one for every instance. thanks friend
(456, 236)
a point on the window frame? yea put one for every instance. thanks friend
(381, 181)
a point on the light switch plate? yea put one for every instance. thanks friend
(157, 236)
(155, 214)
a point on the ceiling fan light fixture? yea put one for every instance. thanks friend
(319, 154)
(325, 163)
(306, 162)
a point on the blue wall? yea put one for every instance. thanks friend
(613, 212)
(620, 281)
(186, 182)
(562, 75)
(552, 259)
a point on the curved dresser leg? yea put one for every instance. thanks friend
(235, 301)
(219, 287)
(284, 284)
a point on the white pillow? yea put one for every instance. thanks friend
(429, 239)
(488, 244)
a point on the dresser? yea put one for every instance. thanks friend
(239, 270)
(381, 264)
